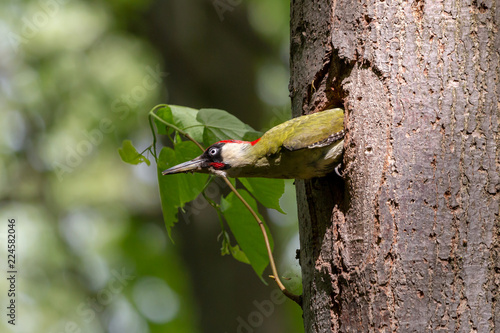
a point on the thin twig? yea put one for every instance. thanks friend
(296, 298)
(154, 137)
(276, 278)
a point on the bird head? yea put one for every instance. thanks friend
(215, 159)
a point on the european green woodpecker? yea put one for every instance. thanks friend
(304, 147)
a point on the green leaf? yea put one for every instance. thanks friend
(235, 251)
(206, 125)
(129, 154)
(266, 190)
(165, 113)
(245, 229)
(221, 125)
(176, 190)
(238, 254)
(185, 119)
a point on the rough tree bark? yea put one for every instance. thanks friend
(411, 242)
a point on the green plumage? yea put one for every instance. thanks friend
(302, 132)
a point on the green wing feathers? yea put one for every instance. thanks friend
(306, 131)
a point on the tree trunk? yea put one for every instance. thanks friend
(411, 242)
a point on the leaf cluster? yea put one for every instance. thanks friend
(204, 127)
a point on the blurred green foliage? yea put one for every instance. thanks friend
(76, 79)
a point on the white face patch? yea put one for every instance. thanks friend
(236, 154)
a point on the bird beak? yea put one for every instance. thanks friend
(189, 166)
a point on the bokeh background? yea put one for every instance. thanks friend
(76, 79)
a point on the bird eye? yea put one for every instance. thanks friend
(213, 151)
